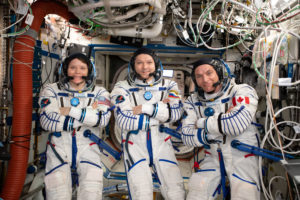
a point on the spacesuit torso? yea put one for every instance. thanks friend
(228, 117)
(142, 143)
(68, 150)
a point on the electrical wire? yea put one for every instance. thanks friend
(26, 28)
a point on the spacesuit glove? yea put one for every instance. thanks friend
(195, 140)
(200, 123)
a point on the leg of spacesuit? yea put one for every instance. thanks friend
(139, 177)
(58, 178)
(204, 183)
(244, 180)
(169, 175)
(140, 181)
(90, 174)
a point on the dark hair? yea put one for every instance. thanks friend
(83, 58)
(214, 62)
(144, 50)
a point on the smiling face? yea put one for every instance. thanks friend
(144, 66)
(206, 76)
(77, 69)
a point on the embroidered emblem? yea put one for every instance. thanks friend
(74, 101)
(174, 94)
(45, 102)
(148, 95)
(120, 99)
(240, 100)
(103, 101)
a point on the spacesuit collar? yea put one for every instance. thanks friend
(142, 83)
(69, 88)
(210, 96)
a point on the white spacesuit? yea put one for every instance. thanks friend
(72, 157)
(143, 145)
(214, 120)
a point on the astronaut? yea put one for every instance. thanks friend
(143, 102)
(68, 108)
(217, 113)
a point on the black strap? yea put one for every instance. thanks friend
(61, 98)
(93, 88)
(58, 86)
(54, 150)
(99, 119)
(61, 102)
(90, 100)
(200, 112)
(162, 93)
(219, 123)
(169, 108)
(226, 107)
(133, 95)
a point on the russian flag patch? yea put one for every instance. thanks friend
(174, 94)
(240, 100)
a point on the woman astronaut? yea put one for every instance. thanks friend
(143, 102)
(68, 108)
(219, 112)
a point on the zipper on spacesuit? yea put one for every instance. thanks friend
(222, 171)
(149, 147)
(74, 173)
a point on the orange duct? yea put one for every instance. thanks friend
(22, 97)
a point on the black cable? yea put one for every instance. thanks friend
(26, 137)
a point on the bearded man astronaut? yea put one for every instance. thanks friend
(219, 112)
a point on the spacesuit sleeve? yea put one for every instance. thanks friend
(50, 117)
(237, 120)
(166, 112)
(125, 119)
(94, 117)
(191, 135)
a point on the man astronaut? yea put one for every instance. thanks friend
(144, 101)
(68, 108)
(217, 113)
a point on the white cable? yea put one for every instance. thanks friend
(242, 6)
(273, 178)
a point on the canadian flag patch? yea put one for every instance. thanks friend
(240, 100)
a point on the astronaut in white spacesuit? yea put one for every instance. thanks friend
(144, 101)
(68, 108)
(217, 113)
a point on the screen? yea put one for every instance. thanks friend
(168, 73)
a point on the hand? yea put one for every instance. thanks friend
(229, 109)
(166, 101)
(137, 110)
(95, 105)
(64, 110)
